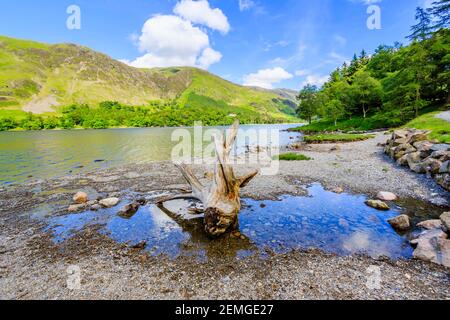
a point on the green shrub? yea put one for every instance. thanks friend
(292, 157)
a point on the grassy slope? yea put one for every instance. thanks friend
(440, 129)
(30, 71)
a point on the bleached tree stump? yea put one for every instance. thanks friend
(221, 199)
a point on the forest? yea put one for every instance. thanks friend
(389, 88)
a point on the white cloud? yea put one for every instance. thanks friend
(200, 12)
(169, 40)
(315, 79)
(246, 5)
(267, 77)
(209, 57)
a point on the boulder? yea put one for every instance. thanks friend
(96, 207)
(441, 155)
(337, 190)
(400, 223)
(433, 246)
(443, 180)
(400, 134)
(109, 202)
(417, 135)
(430, 224)
(418, 167)
(80, 197)
(76, 207)
(445, 167)
(386, 196)
(128, 211)
(432, 165)
(403, 161)
(445, 219)
(441, 147)
(377, 204)
(413, 158)
(424, 147)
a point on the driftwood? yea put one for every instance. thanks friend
(221, 199)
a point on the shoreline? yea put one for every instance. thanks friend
(33, 266)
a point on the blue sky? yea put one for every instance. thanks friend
(270, 43)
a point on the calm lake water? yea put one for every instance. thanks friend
(48, 154)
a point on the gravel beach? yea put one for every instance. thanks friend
(32, 266)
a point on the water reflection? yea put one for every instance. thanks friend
(336, 223)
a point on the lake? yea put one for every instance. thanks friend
(32, 155)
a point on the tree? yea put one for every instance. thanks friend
(365, 92)
(308, 102)
(335, 109)
(423, 28)
(441, 11)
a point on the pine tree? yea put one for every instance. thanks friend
(441, 11)
(423, 28)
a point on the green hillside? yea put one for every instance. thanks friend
(44, 79)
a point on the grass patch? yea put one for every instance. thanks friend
(292, 157)
(440, 129)
(355, 124)
(331, 138)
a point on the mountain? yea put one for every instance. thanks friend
(42, 78)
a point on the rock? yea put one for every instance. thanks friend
(386, 196)
(441, 155)
(413, 158)
(402, 150)
(96, 207)
(92, 203)
(337, 190)
(128, 211)
(401, 223)
(80, 197)
(424, 147)
(403, 161)
(433, 246)
(377, 204)
(443, 180)
(445, 219)
(141, 245)
(335, 148)
(418, 167)
(76, 207)
(441, 147)
(432, 165)
(109, 202)
(430, 224)
(445, 167)
(417, 135)
(399, 134)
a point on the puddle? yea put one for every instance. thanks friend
(335, 223)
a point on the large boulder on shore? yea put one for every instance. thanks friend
(445, 219)
(433, 246)
(400, 223)
(80, 197)
(386, 196)
(377, 204)
(109, 202)
(430, 224)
